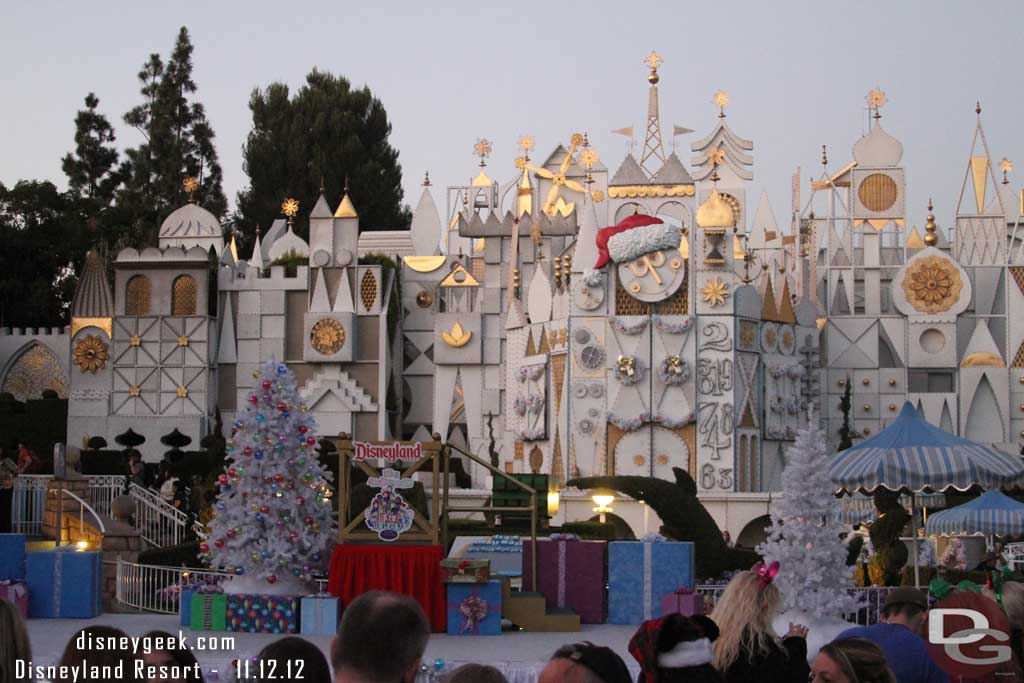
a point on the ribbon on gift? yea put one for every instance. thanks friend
(564, 537)
(653, 538)
(210, 589)
(683, 591)
(473, 609)
(17, 586)
(563, 552)
(648, 580)
(58, 580)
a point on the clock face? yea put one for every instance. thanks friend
(588, 298)
(327, 336)
(652, 450)
(655, 276)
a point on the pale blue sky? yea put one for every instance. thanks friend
(449, 72)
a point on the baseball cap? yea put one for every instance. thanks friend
(603, 661)
(906, 595)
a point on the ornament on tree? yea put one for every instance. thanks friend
(259, 531)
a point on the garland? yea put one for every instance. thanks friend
(629, 328)
(629, 424)
(530, 372)
(671, 327)
(672, 423)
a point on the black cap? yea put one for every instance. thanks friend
(603, 661)
(906, 595)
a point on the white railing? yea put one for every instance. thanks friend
(83, 507)
(150, 588)
(1014, 553)
(28, 503)
(159, 524)
(871, 600)
(103, 489)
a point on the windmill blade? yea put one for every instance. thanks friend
(542, 172)
(550, 201)
(573, 185)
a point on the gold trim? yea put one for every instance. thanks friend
(182, 392)
(424, 264)
(633, 191)
(979, 169)
(456, 337)
(134, 390)
(105, 324)
(136, 340)
(183, 341)
(982, 359)
(467, 281)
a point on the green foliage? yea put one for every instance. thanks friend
(291, 262)
(324, 133)
(92, 168)
(178, 142)
(846, 434)
(685, 518)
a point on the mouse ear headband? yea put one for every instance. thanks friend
(766, 572)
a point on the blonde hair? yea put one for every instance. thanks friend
(744, 616)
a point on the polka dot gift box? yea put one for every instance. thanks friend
(248, 613)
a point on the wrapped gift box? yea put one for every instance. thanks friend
(640, 573)
(250, 613)
(465, 571)
(319, 615)
(185, 606)
(64, 583)
(571, 574)
(16, 593)
(12, 557)
(208, 611)
(474, 609)
(683, 601)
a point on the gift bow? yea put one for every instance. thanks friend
(766, 572)
(474, 609)
(564, 537)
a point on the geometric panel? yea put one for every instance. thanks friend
(35, 370)
(1018, 360)
(1018, 276)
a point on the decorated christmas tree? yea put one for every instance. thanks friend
(272, 517)
(804, 536)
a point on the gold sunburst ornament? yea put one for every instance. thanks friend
(91, 354)
(327, 336)
(482, 149)
(525, 143)
(290, 208)
(589, 158)
(876, 98)
(932, 285)
(716, 156)
(720, 100)
(190, 185)
(715, 292)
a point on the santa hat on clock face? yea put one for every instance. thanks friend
(675, 648)
(632, 237)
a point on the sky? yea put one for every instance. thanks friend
(451, 72)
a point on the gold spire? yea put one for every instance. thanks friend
(653, 61)
(715, 212)
(524, 193)
(930, 238)
(346, 209)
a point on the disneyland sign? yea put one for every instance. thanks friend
(392, 452)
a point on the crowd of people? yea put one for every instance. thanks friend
(382, 638)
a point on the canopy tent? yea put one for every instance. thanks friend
(913, 456)
(992, 513)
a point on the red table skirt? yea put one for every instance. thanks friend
(414, 570)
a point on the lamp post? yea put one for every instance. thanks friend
(603, 500)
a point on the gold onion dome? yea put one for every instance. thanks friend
(715, 213)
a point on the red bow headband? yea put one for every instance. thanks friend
(766, 572)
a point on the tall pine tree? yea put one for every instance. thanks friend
(177, 142)
(327, 132)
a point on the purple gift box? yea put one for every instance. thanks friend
(16, 593)
(571, 574)
(683, 601)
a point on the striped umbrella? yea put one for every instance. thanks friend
(993, 513)
(912, 456)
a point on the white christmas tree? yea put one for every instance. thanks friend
(273, 516)
(804, 536)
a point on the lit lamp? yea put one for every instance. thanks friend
(603, 500)
(552, 503)
(81, 545)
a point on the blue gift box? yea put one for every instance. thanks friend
(474, 609)
(318, 615)
(185, 606)
(64, 583)
(12, 557)
(640, 573)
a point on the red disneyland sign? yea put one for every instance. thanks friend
(387, 452)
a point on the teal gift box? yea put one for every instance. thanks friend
(248, 613)
(185, 606)
(319, 615)
(640, 573)
(64, 583)
(474, 609)
(12, 557)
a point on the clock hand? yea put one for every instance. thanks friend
(651, 270)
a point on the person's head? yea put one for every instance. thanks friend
(15, 638)
(134, 456)
(181, 661)
(1012, 598)
(475, 673)
(851, 660)
(585, 663)
(907, 606)
(744, 615)
(381, 638)
(287, 653)
(75, 656)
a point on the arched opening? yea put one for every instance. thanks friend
(754, 533)
(627, 210)
(137, 295)
(35, 370)
(183, 296)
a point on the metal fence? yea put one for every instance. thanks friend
(870, 600)
(159, 523)
(151, 588)
(28, 503)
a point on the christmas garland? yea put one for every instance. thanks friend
(629, 328)
(671, 327)
(629, 424)
(672, 423)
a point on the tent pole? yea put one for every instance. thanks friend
(913, 530)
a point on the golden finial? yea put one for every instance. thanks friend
(482, 149)
(426, 179)
(525, 143)
(576, 140)
(721, 99)
(589, 157)
(876, 99)
(521, 162)
(1005, 166)
(653, 60)
(824, 155)
(716, 156)
(930, 238)
(190, 185)
(290, 208)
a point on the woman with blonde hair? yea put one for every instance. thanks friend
(748, 648)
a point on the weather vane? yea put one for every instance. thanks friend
(876, 99)
(482, 149)
(1005, 166)
(721, 99)
(525, 143)
(588, 157)
(290, 208)
(190, 184)
(653, 60)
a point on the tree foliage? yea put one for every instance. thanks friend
(325, 133)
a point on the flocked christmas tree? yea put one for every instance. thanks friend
(273, 516)
(804, 536)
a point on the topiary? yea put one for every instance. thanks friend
(890, 552)
(685, 518)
